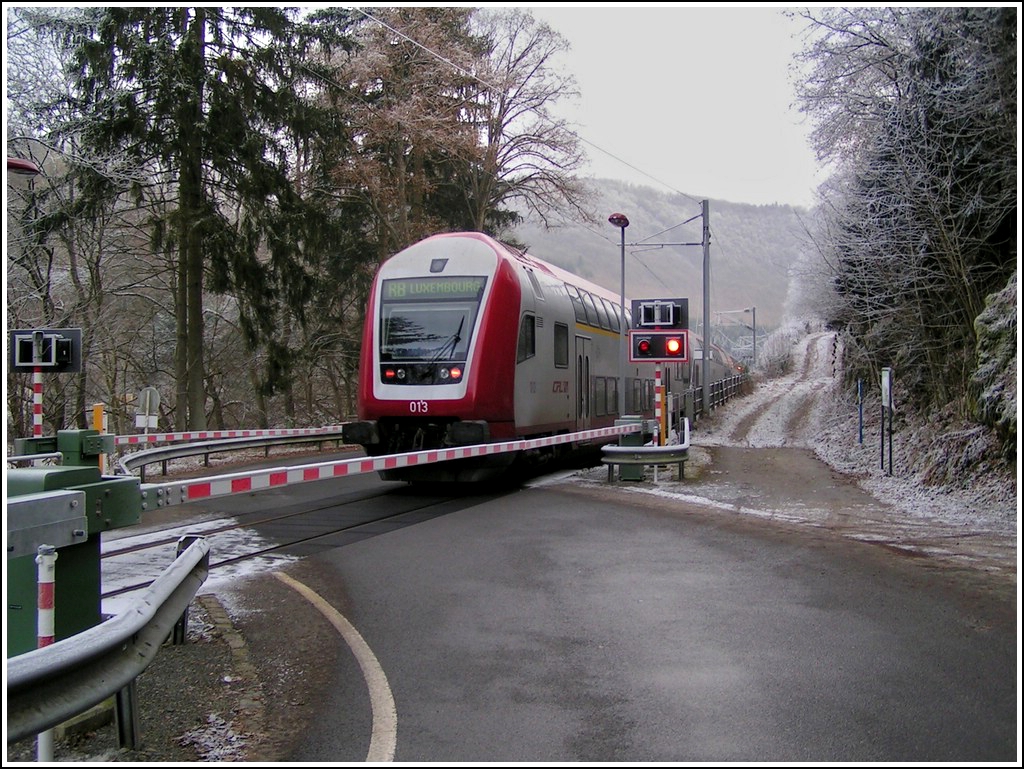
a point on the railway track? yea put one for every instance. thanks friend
(280, 530)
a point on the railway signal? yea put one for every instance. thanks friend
(655, 346)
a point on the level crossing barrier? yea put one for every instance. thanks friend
(163, 454)
(209, 435)
(160, 495)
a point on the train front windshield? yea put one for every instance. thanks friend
(428, 319)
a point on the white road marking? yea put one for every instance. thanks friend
(385, 717)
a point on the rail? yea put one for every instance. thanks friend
(673, 453)
(48, 686)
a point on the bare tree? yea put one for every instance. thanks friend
(915, 107)
(530, 157)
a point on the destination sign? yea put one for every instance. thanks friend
(434, 288)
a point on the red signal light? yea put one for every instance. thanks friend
(389, 373)
(658, 345)
(456, 372)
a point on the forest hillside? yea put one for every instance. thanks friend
(753, 249)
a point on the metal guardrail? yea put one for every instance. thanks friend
(48, 686)
(673, 453)
(140, 459)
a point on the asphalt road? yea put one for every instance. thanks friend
(576, 623)
(766, 609)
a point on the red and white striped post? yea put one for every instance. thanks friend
(46, 560)
(37, 402)
(658, 399)
(46, 563)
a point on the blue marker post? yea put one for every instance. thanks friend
(860, 411)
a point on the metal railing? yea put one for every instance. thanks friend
(140, 459)
(48, 686)
(722, 390)
(673, 453)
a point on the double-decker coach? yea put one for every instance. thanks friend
(468, 340)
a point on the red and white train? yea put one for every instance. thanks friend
(468, 341)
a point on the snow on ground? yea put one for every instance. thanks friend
(134, 568)
(808, 408)
(972, 521)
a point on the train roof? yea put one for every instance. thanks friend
(513, 253)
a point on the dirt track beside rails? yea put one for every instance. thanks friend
(774, 454)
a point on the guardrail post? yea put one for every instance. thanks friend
(126, 716)
(46, 687)
(181, 626)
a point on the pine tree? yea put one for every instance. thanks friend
(206, 98)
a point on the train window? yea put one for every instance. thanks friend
(602, 314)
(561, 345)
(613, 319)
(537, 290)
(600, 396)
(577, 303)
(428, 319)
(527, 339)
(637, 404)
(588, 303)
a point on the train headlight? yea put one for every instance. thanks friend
(456, 372)
(400, 374)
(444, 373)
(389, 373)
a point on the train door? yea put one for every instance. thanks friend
(583, 404)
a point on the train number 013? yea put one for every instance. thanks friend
(418, 407)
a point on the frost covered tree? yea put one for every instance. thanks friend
(71, 261)
(451, 122)
(916, 108)
(405, 109)
(232, 177)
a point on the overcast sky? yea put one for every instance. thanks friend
(687, 98)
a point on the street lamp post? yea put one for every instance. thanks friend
(753, 323)
(620, 221)
(705, 363)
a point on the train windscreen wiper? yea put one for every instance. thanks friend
(450, 344)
